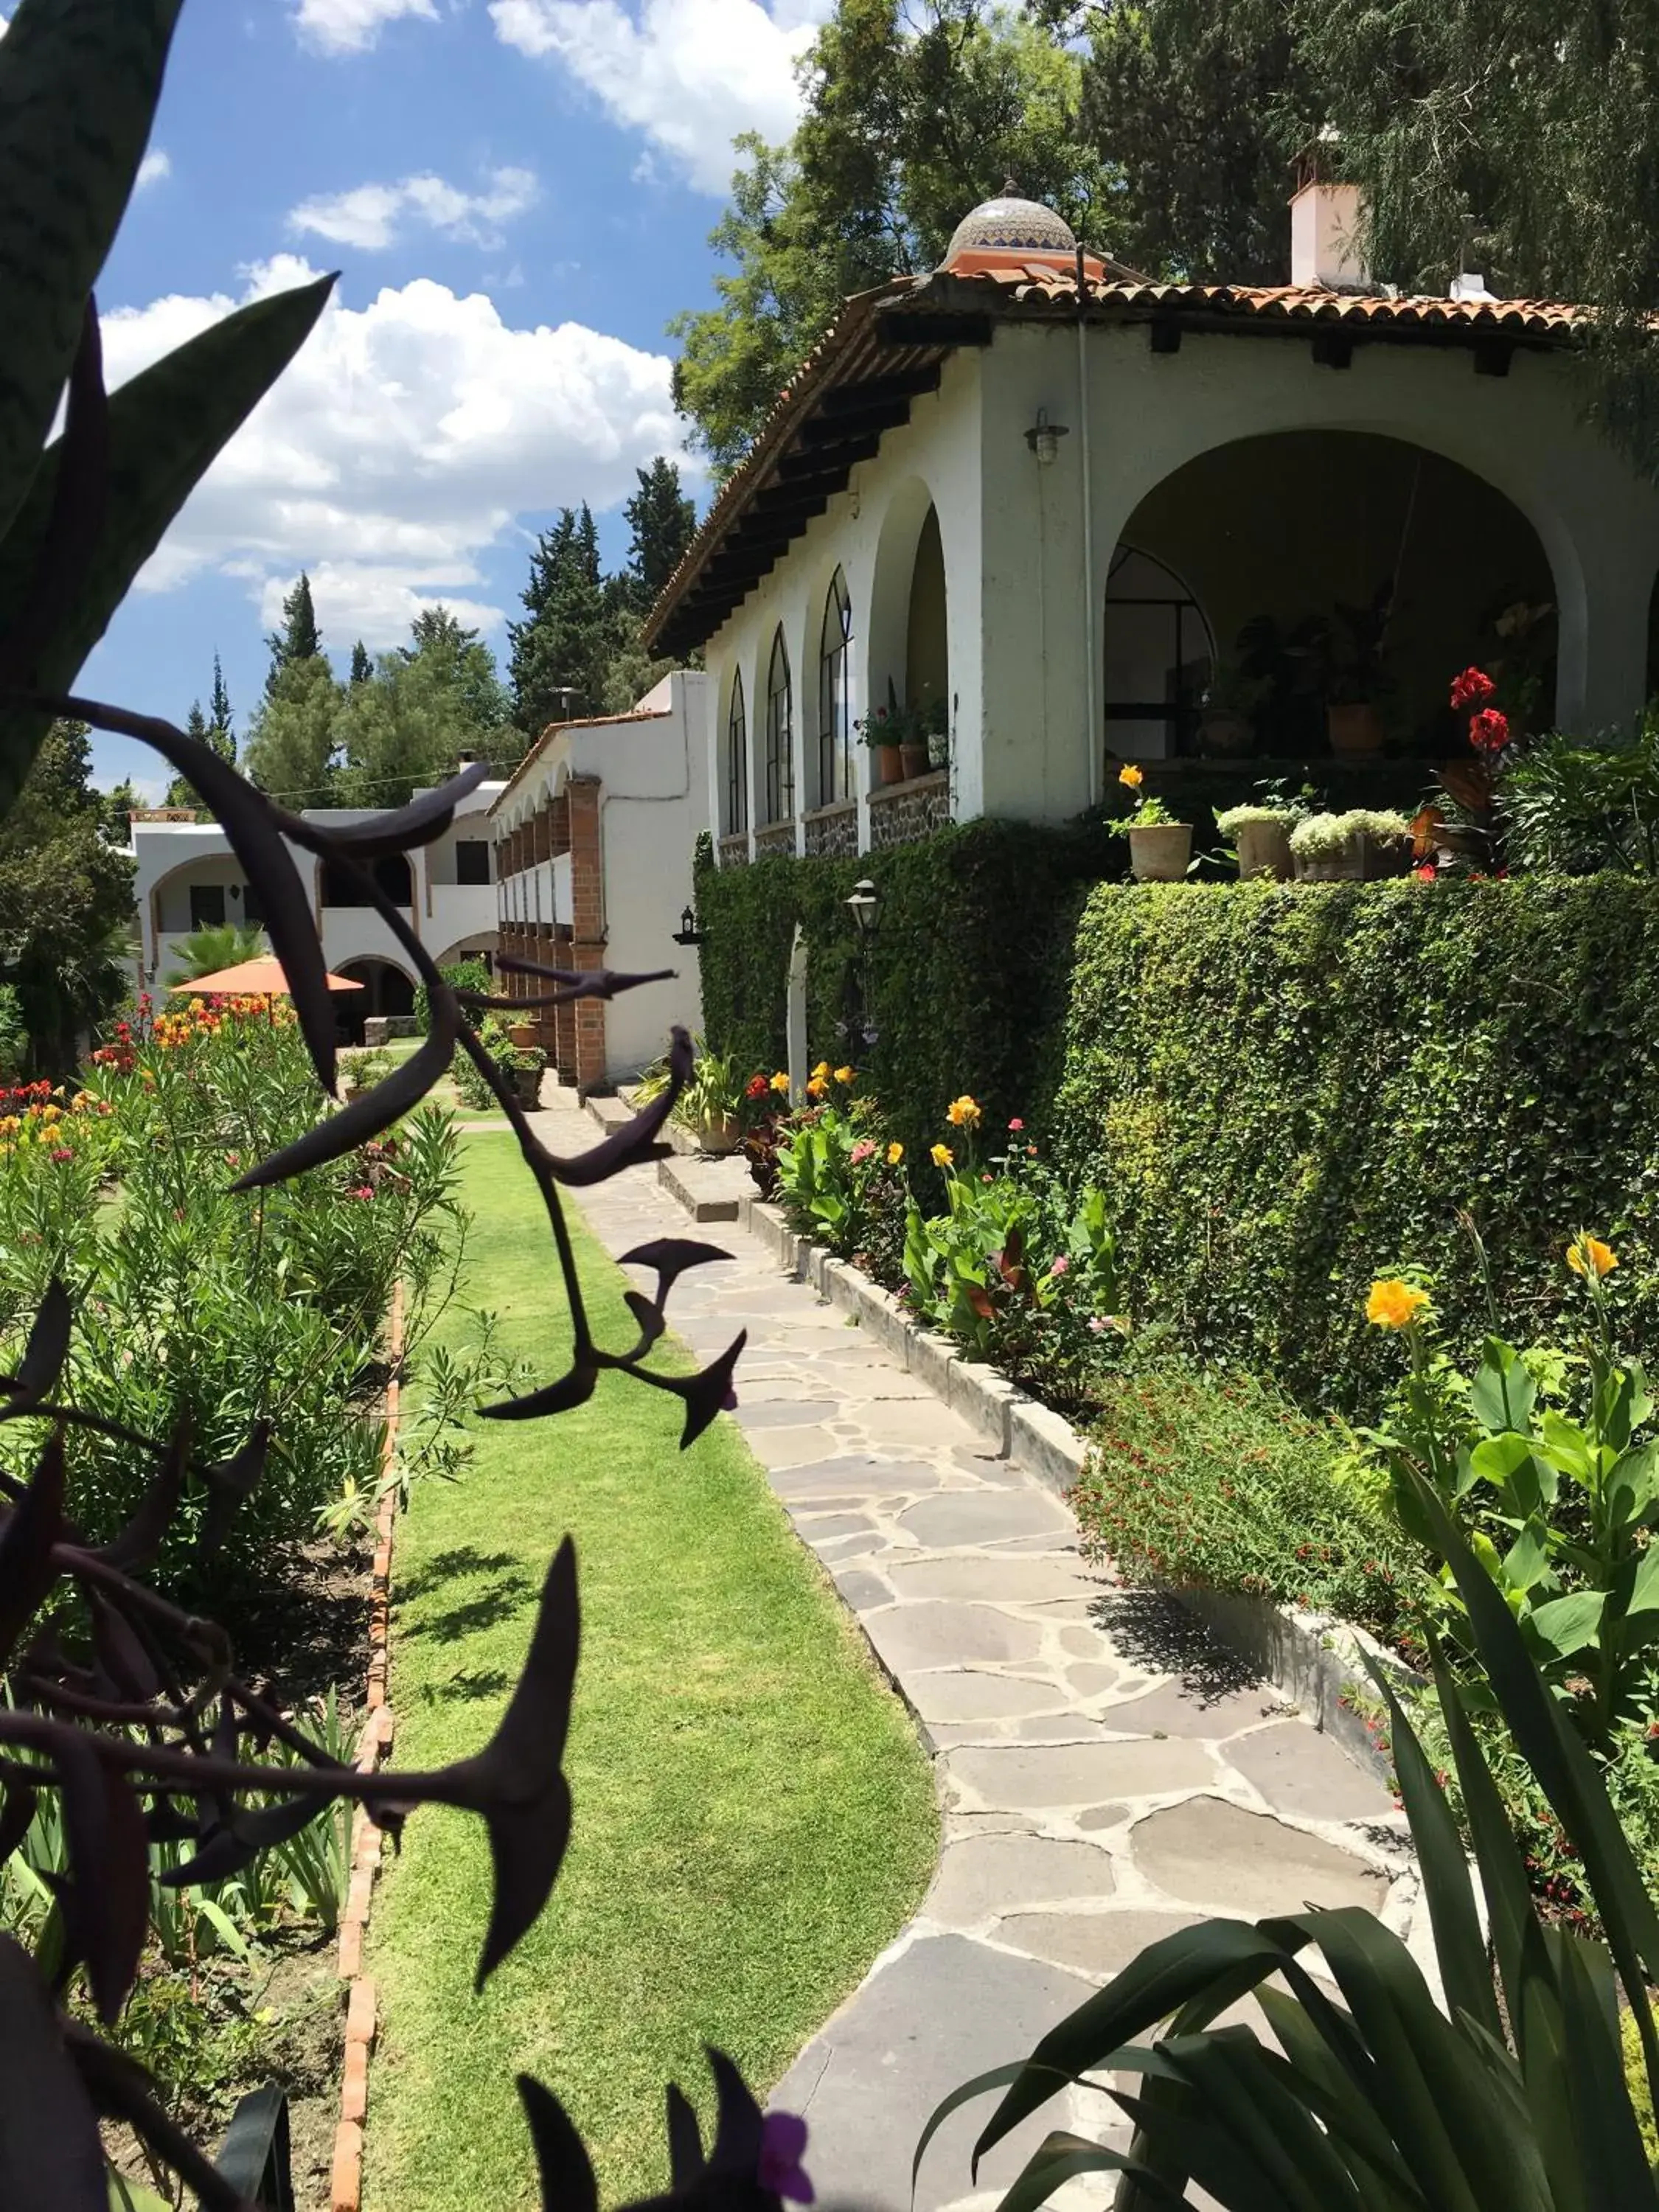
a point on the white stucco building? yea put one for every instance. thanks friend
(187, 877)
(594, 834)
(1052, 494)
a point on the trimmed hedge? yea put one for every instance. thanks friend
(969, 971)
(1290, 1091)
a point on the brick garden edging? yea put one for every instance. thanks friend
(1314, 1659)
(346, 2175)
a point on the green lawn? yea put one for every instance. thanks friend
(754, 1820)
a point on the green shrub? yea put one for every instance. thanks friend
(470, 975)
(1289, 1091)
(1218, 1482)
(968, 971)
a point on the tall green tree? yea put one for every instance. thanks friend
(425, 705)
(1201, 106)
(560, 652)
(294, 735)
(115, 812)
(220, 724)
(912, 117)
(299, 638)
(180, 791)
(65, 902)
(362, 667)
(662, 522)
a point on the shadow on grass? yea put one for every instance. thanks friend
(489, 1682)
(509, 1593)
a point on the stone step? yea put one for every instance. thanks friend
(709, 1190)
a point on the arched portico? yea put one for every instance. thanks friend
(388, 989)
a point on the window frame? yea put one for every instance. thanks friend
(779, 733)
(736, 760)
(834, 763)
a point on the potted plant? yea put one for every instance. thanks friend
(524, 1064)
(363, 1072)
(1160, 848)
(934, 721)
(1355, 680)
(1226, 722)
(712, 1104)
(1359, 847)
(1260, 832)
(524, 1033)
(880, 732)
(913, 742)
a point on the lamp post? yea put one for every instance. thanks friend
(688, 933)
(864, 904)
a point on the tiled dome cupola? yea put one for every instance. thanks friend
(1007, 232)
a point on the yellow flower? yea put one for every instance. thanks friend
(816, 1087)
(1131, 777)
(1393, 1304)
(844, 1075)
(780, 1081)
(942, 1156)
(821, 1072)
(1587, 1256)
(962, 1113)
(895, 1154)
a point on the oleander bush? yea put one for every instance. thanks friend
(197, 1302)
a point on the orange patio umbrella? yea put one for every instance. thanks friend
(254, 979)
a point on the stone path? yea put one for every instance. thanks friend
(1105, 1775)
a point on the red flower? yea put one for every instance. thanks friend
(1489, 729)
(1472, 689)
(1426, 873)
(757, 1087)
(62, 1152)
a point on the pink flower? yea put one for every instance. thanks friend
(1098, 1324)
(362, 1190)
(1016, 1125)
(1062, 1266)
(783, 2145)
(862, 1151)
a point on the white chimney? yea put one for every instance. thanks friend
(1325, 238)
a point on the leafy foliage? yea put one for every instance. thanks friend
(967, 972)
(1575, 809)
(1282, 1089)
(218, 945)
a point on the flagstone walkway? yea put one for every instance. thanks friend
(1106, 1775)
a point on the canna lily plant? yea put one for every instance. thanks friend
(1511, 2096)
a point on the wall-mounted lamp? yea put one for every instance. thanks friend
(1043, 437)
(688, 933)
(864, 905)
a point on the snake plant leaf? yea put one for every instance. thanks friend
(79, 81)
(166, 428)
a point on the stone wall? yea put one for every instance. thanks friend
(833, 832)
(734, 850)
(777, 837)
(900, 813)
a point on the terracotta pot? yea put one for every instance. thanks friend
(527, 1084)
(913, 761)
(1356, 732)
(1160, 854)
(1264, 849)
(1226, 734)
(889, 764)
(525, 1035)
(1367, 860)
(719, 1137)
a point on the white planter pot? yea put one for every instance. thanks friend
(1160, 854)
(1264, 849)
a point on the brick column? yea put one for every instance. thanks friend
(587, 925)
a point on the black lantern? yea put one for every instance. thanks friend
(864, 905)
(688, 933)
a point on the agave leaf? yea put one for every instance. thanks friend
(1465, 1969)
(562, 2165)
(79, 81)
(1270, 2151)
(33, 1525)
(44, 1354)
(165, 428)
(339, 1134)
(418, 823)
(1059, 2158)
(107, 1846)
(1611, 2166)
(50, 2159)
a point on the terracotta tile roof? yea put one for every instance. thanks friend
(902, 331)
(577, 722)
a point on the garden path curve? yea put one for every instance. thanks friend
(1106, 1774)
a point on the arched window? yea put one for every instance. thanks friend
(737, 761)
(835, 696)
(780, 761)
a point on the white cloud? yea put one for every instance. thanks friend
(401, 446)
(155, 165)
(351, 26)
(687, 74)
(369, 216)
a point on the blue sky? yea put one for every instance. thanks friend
(517, 194)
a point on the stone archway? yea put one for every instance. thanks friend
(388, 989)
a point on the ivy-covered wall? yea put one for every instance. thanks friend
(1292, 1091)
(968, 973)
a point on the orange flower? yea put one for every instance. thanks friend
(964, 1113)
(1131, 777)
(1393, 1304)
(1589, 1256)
